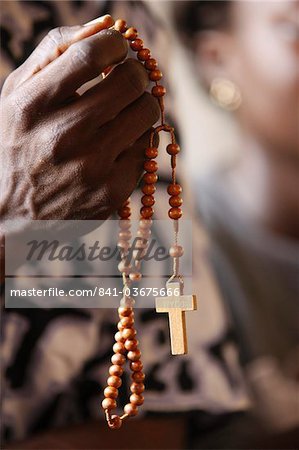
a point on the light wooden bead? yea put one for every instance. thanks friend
(147, 200)
(131, 344)
(127, 322)
(119, 326)
(150, 166)
(151, 152)
(137, 388)
(129, 333)
(124, 311)
(140, 243)
(147, 211)
(135, 276)
(136, 366)
(150, 178)
(118, 347)
(119, 337)
(114, 381)
(175, 213)
(118, 359)
(144, 234)
(131, 409)
(151, 64)
(155, 75)
(109, 403)
(124, 224)
(176, 251)
(137, 399)
(148, 189)
(120, 25)
(174, 189)
(123, 268)
(115, 422)
(131, 34)
(111, 392)
(173, 149)
(116, 370)
(158, 91)
(134, 355)
(145, 224)
(144, 54)
(125, 235)
(175, 200)
(138, 377)
(124, 245)
(136, 45)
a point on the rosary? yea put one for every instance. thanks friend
(175, 303)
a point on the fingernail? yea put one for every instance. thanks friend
(107, 18)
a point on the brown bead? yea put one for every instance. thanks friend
(136, 45)
(147, 200)
(151, 64)
(137, 388)
(119, 326)
(173, 149)
(108, 403)
(112, 392)
(119, 347)
(143, 54)
(129, 333)
(155, 75)
(138, 377)
(174, 189)
(146, 212)
(119, 337)
(131, 34)
(134, 355)
(116, 370)
(175, 201)
(118, 359)
(136, 366)
(149, 189)
(114, 381)
(131, 409)
(136, 399)
(151, 152)
(127, 322)
(158, 91)
(124, 212)
(150, 166)
(131, 344)
(175, 213)
(150, 178)
(124, 311)
(120, 25)
(115, 422)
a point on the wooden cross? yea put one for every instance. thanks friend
(176, 306)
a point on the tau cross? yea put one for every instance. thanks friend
(176, 306)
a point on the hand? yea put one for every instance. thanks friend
(71, 156)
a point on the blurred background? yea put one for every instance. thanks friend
(231, 70)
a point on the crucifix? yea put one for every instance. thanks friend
(176, 305)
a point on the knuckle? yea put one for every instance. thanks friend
(82, 54)
(56, 35)
(134, 77)
(23, 106)
(149, 109)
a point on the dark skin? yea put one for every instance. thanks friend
(259, 52)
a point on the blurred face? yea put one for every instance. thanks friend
(260, 54)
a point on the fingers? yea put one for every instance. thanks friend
(82, 61)
(52, 46)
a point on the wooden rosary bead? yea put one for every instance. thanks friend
(150, 166)
(134, 355)
(115, 422)
(137, 399)
(151, 64)
(131, 344)
(112, 392)
(114, 381)
(176, 251)
(147, 200)
(131, 409)
(118, 359)
(173, 149)
(150, 178)
(129, 333)
(124, 224)
(125, 212)
(119, 326)
(118, 347)
(148, 189)
(131, 34)
(144, 234)
(151, 152)
(136, 366)
(175, 213)
(145, 224)
(116, 370)
(109, 403)
(137, 388)
(136, 45)
(120, 25)
(146, 212)
(127, 322)
(124, 245)
(155, 75)
(124, 311)
(143, 54)
(126, 235)
(175, 200)
(119, 337)
(158, 91)
(123, 268)
(174, 189)
(135, 276)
